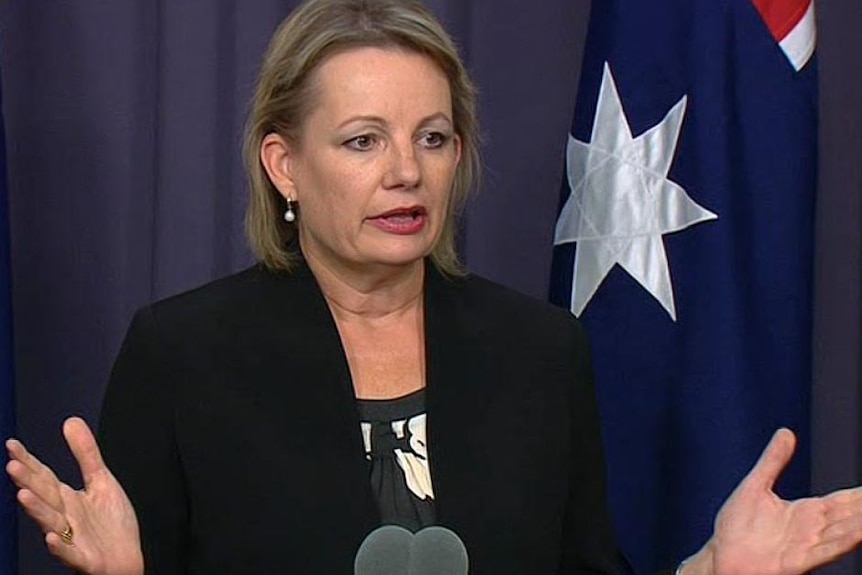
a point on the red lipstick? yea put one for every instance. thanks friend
(401, 221)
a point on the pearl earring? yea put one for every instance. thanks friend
(289, 214)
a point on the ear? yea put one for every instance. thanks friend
(459, 149)
(275, 156)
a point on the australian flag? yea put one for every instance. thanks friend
(8, 530)
(684, 242)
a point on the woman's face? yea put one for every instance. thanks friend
(375, 161)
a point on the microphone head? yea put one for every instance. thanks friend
(438, 551)
(393, 550)
(386, 551)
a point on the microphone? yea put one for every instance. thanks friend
(438, 551)
(386, 551)
(393, 550)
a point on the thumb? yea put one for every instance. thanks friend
(84, 447)
(773, 460)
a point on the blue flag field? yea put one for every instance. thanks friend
(684, 243)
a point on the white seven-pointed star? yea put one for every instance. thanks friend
(622, 202)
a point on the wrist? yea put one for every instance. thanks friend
(701, 563)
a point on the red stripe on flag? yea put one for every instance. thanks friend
(781, 16)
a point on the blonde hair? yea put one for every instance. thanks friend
(285, 95)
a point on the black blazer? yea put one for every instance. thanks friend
(230, 420)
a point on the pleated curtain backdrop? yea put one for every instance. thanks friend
(123, 131)
(837, 384)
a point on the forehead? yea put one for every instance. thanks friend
(381, 81)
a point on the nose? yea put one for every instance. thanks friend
(404, 170)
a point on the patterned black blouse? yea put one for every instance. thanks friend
(393, 432)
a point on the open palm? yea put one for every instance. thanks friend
(105, 538)
(758, 533)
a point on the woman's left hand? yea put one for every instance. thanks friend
(758, 533)
(93, 530)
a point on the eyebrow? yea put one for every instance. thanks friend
(382, 122)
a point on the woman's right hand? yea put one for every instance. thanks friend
(99, 522)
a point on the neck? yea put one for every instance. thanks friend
(370, 292)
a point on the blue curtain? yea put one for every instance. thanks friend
(8, 513)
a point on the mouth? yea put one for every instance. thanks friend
(402, 214)
(406, 220)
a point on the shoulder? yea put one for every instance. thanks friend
(254, 309)
(238, 298)
(507, 314)
(234, 289)
(493, 295)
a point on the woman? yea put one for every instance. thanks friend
(273, 419)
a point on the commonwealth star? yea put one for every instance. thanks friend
(622, 202)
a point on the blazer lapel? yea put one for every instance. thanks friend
(309, 380)
(306, 348)
(457, 395)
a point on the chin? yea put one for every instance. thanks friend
(395, 251)
(397, 261)
(402, 256)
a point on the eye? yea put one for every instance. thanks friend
(434, 140)
(362, 143)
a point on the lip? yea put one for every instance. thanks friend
(401, 221)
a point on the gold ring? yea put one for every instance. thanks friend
(67, 534)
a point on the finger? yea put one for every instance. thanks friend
(843, 504)
(830, 550)
(70, 554)
(773, 460)
(848, 528)
(20, 474)
(845, 497)
(45, 515)
(18, 452)
(34, 475)
(84, 447)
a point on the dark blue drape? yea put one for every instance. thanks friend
(8, 514)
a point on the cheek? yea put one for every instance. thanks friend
(443, 181)
(334, 200)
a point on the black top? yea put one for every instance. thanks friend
(231, 421)
(393, 433)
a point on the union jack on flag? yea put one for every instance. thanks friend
(791, 23)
